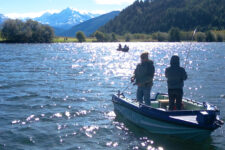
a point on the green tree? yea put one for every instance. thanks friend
(99, 36)
(10, 30)
(200, 36)
(0, 34)
(219, 38)
(107, 37)
(174, 35)
(48, 34)
(210, 36)
(80, 36)
(160, 36)
(114, 39)
(128, 37)
(27, 32)
(186, 36)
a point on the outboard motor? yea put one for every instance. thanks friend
(206, 117)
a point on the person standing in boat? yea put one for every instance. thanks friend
(143, 75)
(175, 81)
(119, 47)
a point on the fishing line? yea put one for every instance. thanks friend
(188, 53)
(129, 84)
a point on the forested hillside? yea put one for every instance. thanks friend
(161, 15)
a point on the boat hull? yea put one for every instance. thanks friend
(159, 127)
(123, 49)
(188, 124)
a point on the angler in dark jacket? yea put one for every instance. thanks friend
(175, 80)
(144, 74)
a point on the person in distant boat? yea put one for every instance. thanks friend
(144, 74)
(175, 81)
(120, 47)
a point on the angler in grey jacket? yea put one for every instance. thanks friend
(175, 80)
(144, 74)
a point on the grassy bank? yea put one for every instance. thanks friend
(1, 39)
(174, 35)
(62, 40)
(209, 36)
(70, 39)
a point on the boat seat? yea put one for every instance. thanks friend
(164, 103)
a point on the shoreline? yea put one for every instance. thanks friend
(6, 42)
(94, 40)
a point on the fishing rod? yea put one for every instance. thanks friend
(127, 88)
(188, 53)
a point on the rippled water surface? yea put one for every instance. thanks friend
(58, 96)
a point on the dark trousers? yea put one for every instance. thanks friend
(175, 94)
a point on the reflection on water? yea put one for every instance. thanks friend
(62, 93)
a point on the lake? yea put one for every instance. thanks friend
(58, 96)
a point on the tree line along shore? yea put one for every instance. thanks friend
(17, 31)
(174, 35)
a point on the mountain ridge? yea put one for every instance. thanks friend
(68, 21)
(90, 26)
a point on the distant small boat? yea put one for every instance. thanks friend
(125, 49)
(195, 120)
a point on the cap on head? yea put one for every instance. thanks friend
(144, 55)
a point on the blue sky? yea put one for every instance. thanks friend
(33, 8)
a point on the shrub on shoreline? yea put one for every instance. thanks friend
(80, 36)
(17, 31)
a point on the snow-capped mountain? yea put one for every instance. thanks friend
(65, 19)
(90, 26)
(2, 18)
